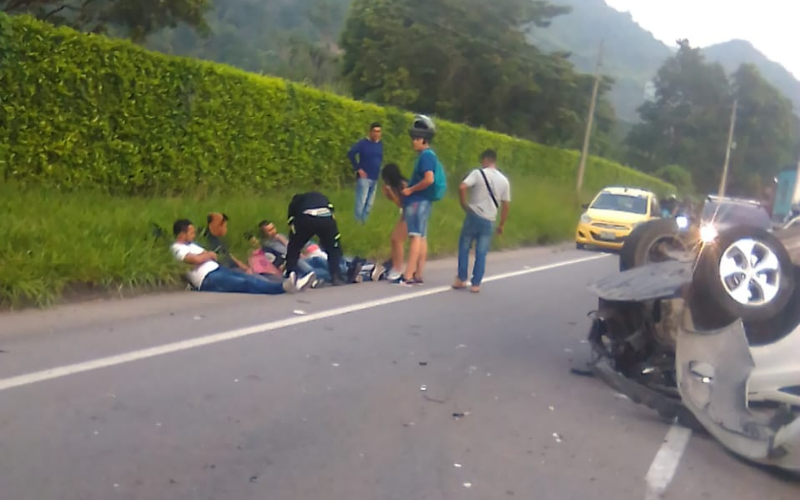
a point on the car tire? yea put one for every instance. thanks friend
(724, 275)
(636, 249)
(580, 246)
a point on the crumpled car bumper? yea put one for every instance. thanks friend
(713, 368)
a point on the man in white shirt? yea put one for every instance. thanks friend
(207, 275)
(489, 189)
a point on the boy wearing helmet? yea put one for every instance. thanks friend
(418, 199)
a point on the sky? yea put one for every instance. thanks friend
(772, 26)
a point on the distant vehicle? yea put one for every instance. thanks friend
(613, 214)
(787, 194)
(679, 238)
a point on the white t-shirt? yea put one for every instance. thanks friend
(480, 201)
(199, 272)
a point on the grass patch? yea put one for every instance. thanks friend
(56, 242)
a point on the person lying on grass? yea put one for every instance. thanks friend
(214, 234)
(274, 246)
(206, 275)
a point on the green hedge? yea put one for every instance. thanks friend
(84, 111)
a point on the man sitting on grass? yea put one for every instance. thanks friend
(207, 275)
(215, 233)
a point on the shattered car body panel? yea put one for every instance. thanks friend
(713, 369)
(654, 281)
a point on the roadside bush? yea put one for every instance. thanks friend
(84, 111)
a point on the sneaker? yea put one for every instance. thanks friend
(290, 283)
(354, 271)
(393, 275)
(459, 285)
(375, 275)
(417, 281)
(306, 281)
(400, 280)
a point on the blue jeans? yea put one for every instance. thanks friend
(227, 280)
(480, 231)
(320, 267)
(417, 214)
(365, 198)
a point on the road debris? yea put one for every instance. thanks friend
(299, 312)
(198, 318)
(457, 466)
(423, 388)
(461, 346)
(459, 414)
(423, 363)
(467, 485)
(335, 365)
(253, 479)
(551, 408)
(557, 436)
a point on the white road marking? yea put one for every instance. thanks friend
(63, 371)
(663, 468)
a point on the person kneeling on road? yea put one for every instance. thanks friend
(311, 214)
(207, 275)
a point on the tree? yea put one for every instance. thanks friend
(767, 132)
(688, 124)
(468, 61)
(135, 19)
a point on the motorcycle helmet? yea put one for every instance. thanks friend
(422, 127)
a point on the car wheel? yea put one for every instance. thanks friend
(580, 246)
(648, 243)
(745, 273)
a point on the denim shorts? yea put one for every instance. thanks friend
(416, 215)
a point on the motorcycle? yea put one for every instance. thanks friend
(709, 340)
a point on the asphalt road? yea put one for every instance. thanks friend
(320, 396)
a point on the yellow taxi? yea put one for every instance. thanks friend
(612, 215)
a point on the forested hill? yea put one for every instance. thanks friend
(633, 54)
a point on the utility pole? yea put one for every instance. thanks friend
(590, 120)
(724, 181)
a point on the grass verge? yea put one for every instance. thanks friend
(55, 243)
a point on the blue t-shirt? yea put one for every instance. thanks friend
(426, 162)
(370, 157)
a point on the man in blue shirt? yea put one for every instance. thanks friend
(368, 169)
(418, 200)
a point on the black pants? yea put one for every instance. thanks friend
(325, 228)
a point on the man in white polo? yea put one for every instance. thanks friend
(488, 190)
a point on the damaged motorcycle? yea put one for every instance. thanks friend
(710, 338)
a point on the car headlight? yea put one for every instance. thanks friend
(682, 221)
(708, 233)
(586, 219)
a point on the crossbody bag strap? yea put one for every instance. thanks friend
(491, 193)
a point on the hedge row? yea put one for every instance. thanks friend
(84, 111)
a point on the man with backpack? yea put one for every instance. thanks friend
(488, 189)
(428, 184)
